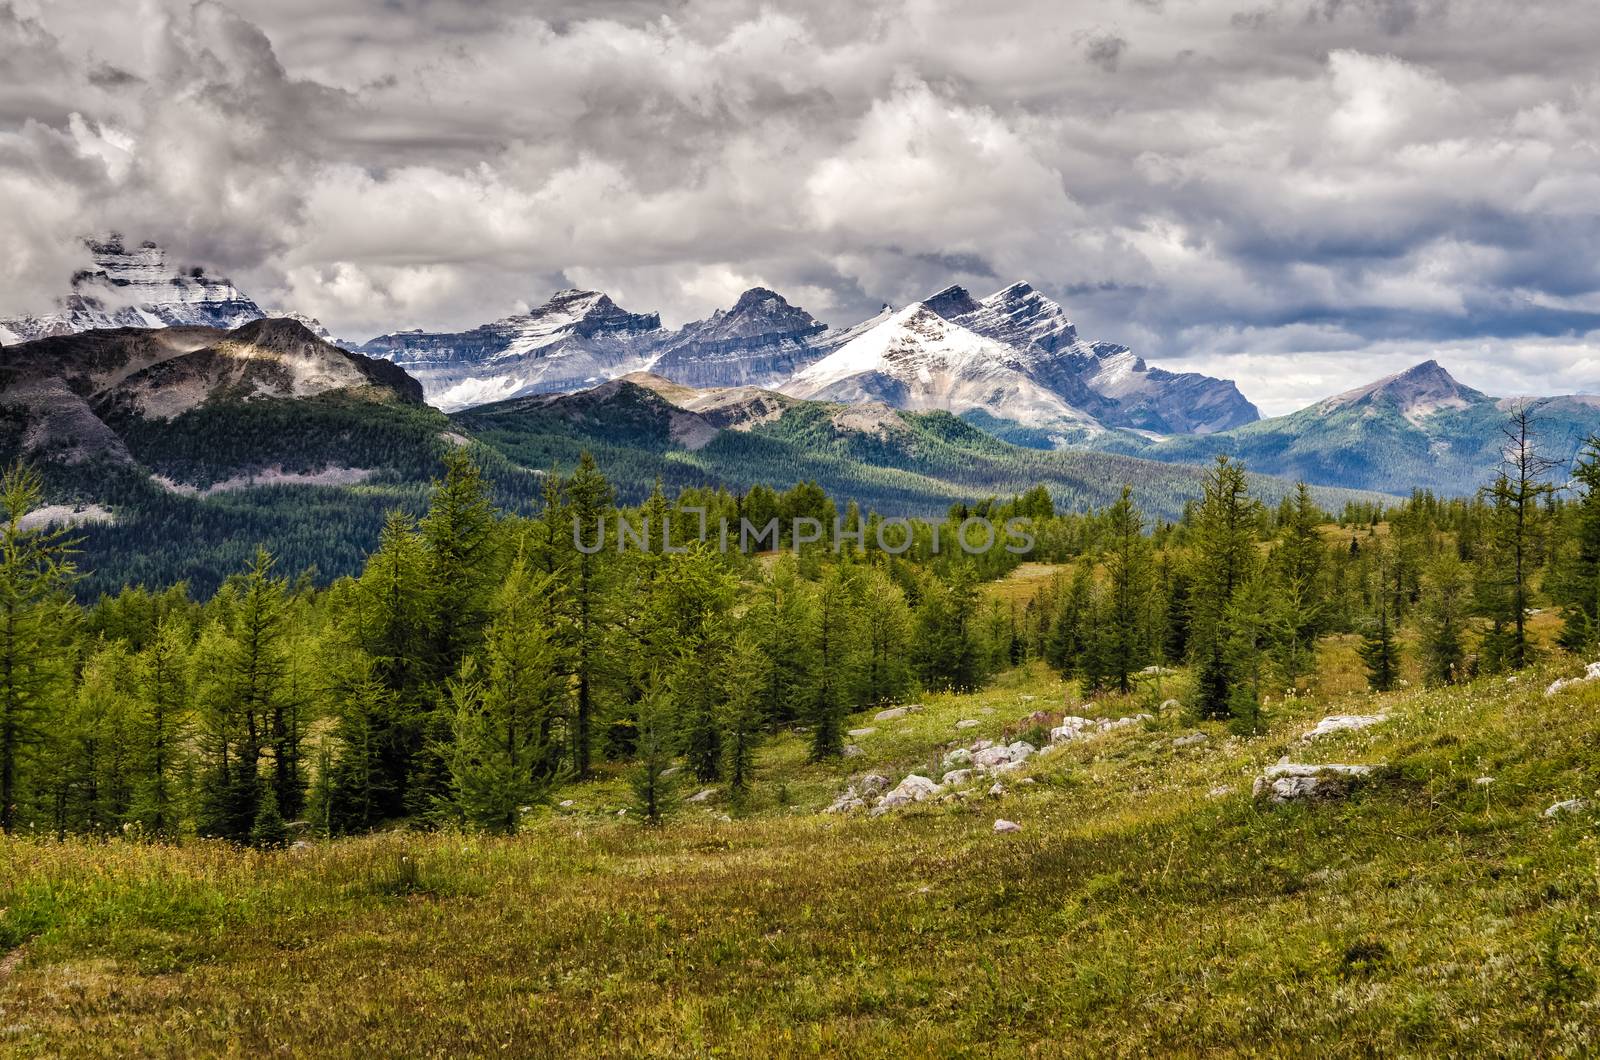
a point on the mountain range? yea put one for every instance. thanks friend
(1008, 369)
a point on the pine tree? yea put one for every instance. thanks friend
(1518, 520)
(653, 791)
(1298, 607)
(36, 628)
(1577, 582)
(748, 675)
(834, 636)
(164, 706)
(1442, 621)
(1223, 560)
(589, 499)
(1379, 649)
(1125, 644)
(886, 634)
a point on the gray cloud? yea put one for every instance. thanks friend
(1294, 192)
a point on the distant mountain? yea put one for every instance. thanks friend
(918, 360)
(1420, 428)
(575, 340)
(761, 341)
(136, 288)
(83, 398)
(1069, 386)
(1103, 379)
(644, 428)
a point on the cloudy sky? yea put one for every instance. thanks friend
(1298, 194)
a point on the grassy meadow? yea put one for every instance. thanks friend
(1148, 905)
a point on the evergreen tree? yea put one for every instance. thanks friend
(1379, 650)
(1223, 560)
(653, 791)
(1442, 621)
(834, 637)
(1518, 523)
(163, 708)
(1125, 641)
(744, 718)
(589, 498)
(36, 630)
(1577, 582)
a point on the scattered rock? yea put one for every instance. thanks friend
(300, 844)
(849, 802)
(979, 745)
(998, 789)
(986, 710)
(1190, 740)
(1590, 673)
(566, 804)
(873, 783)
(622, 812)
(967, 723)
(1073, 727)
(892, 714)
(1287, 781)
(1003, 825)
(703, 795)
(1220, 790)
(1156, 671)
(858, 733)
(1169, 704)
(671, 771)
(1026, 780)
(1561, 809)
(994, 759)
(914, 788)
(853, 751)
(1344, 723)
(914, 708)
(956, 776)
(958, 758)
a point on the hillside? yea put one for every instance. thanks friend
(1149, 904)
(186, 447)
(642, 428)
(1418, 429)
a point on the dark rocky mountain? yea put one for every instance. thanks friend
(573, 341)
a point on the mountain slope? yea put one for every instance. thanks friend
(918, 360)
(136, 288)
(642, 429)
(576, 339)
(1417, 429)
(1103, 379)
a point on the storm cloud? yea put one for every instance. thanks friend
(1299, 194)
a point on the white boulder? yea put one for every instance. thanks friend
(1190, 740)
(858, 733)
(1590, 673)
(1344, 723)
(1003, 825)
(703, 795)
(958, 758)
(914, 788)
(1287, 781)
(1561, 809)
(956, 777)
(891, 714)
(968, 723)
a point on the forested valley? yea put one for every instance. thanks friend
(481, 659)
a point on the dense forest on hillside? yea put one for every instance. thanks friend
(479, 657)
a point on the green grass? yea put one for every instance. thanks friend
(1143, 908)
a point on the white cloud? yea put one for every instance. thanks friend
(1301, 192)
